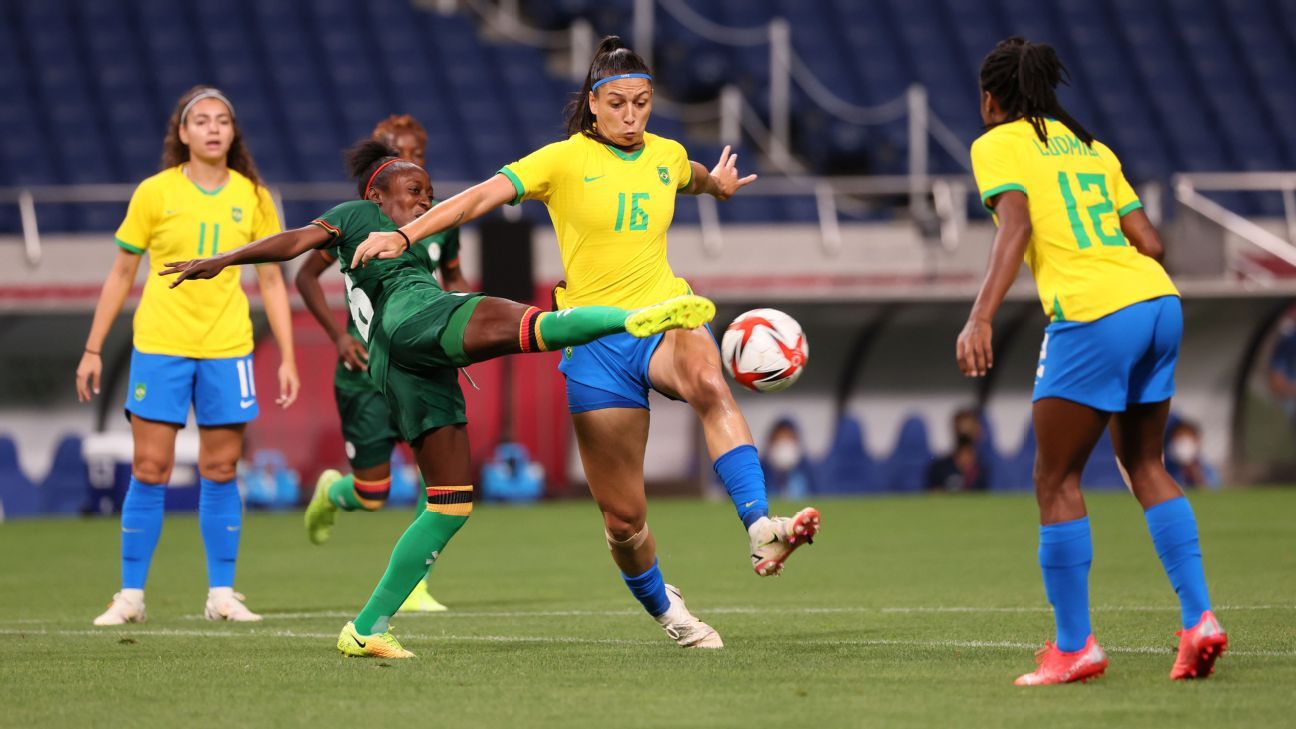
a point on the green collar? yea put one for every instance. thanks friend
(627, 156)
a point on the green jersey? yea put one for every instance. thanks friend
(372, 292)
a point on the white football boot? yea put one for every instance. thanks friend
(683, 627)
(774, 538)
(225, 604)
(123, 609)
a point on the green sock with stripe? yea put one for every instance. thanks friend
(342, 494)
(550, 330)
(415, 553)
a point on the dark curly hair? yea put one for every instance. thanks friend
(1023, 77)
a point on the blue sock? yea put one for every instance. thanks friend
(650, 589)
(1065, 553)
(220, 519)
(141, 525)
(740, 472)
(1174, 534)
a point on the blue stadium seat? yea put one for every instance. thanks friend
(906, 467)
(65, 488)
(1102, 471)
(18, 495)
(847, 468)
(1016, 472)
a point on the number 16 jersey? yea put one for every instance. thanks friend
(1083, 265)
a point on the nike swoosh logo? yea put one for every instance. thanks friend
(358, 641)
(245, 404)
(591, 179)
(131, 531)
(231, 528)
(748, 505)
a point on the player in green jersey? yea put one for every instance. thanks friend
(368, 429)
(418, 335)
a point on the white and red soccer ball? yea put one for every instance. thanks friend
(764, 350)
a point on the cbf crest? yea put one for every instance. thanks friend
(664, 174)
(237, 214)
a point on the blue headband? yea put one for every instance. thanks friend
(618, 77)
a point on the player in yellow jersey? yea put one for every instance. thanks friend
(192, 347)
(368, 428)
(610, 189)
(1063, 204)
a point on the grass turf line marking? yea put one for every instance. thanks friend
(728, 611)
(867, 642)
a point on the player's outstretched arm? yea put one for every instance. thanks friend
(722, 181)
(973, 349)
(283, 246)
(468, 205)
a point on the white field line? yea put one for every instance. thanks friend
(120, 633)
(733, 610)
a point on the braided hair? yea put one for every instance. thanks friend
(1023, 77)
(370, 156)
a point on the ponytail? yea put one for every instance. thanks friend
(612, 58)
(1023, 78)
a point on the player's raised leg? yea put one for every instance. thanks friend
(687, 365)
(1066, 433)
(1138, 437)
(494, 327)
(612, 442)
(445, 462)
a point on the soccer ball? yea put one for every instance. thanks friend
(764, 350)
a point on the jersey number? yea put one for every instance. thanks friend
(361, 307)
(202, 238)
(638, 216)
(1090, 181)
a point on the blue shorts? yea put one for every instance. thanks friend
(611, 372)
(163, 386)
(1125, 358)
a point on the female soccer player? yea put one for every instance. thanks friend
(418, 335)
(1108, 357)
(192, 347)
(367, 424)
(610, 189)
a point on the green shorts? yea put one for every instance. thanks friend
(416, 365)
(367, 423)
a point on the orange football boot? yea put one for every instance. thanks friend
(1199, 647)
(1056, 666)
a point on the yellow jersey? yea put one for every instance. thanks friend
(1083, 265)
(172, 219)
(611, 210)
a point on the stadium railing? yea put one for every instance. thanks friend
(1190, 190)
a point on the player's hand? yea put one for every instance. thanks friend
(289, 384)
(378, 245)
(726, 176)
(352, 352)
(87, 376)
(973, 349)
(195, 269)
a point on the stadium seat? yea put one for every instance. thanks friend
(906, 467)
(1016, 472)
(18, 495)
(847, 468)
(1101, 470)
(65, 486)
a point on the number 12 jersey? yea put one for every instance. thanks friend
(1083, 265)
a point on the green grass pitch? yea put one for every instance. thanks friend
(906, 612)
